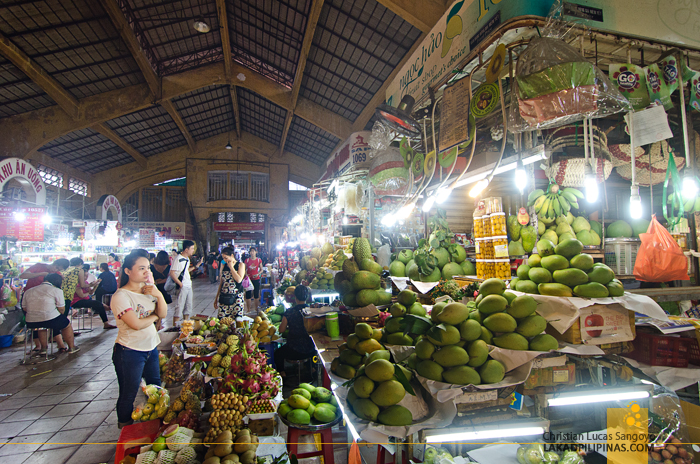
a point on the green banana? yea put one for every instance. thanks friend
(574, 204)
(539, 202)
(569, 196)
(575, 192)
(545, 205)
(557, 205)
(550, 210)
(565, 206)
(535, 194)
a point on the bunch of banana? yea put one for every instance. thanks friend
(554, 202)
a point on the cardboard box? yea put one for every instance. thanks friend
(573, 334)
(262, 427)
(551, 376)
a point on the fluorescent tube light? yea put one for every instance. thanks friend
(591, 397)
(528, 429)
(532, 156)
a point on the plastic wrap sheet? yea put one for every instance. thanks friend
(389, 172)
(554, 85)
(673, 378)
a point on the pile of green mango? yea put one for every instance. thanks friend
(562, 270)
(455, 348)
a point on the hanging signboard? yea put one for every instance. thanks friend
(147, 238)
(258, 227)
(29, 229)
(467, 23)
(26, 175)
(353, 152)
(454, 120)
(107, 203)
(168, 230)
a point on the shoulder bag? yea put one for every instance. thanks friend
(170, 284)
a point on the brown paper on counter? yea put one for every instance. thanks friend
(400, 352)
(365, 311)
(513, 359)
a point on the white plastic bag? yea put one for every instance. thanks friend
(384, 255)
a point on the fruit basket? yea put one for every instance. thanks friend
(313, 427)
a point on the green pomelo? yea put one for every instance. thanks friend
(500, 322)
(564, 228)
(442, 256)
(451, 269)
(592, 290)
(397, 269)
(522, 306)
(478, 352)
(550, 235)
(544, 342)
(554, 289)
(619, 229)
(492, 371)
(462, 375)
(511, 341)
(469, 330)
(570, 277)
(540, 275)
(581, 223)
(450, 356)
(432, 277)
(405, 256)
(468, 268)
(531, 326)
(430, 370)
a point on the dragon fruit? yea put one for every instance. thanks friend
(266, 377)
(250, 346)
(252, 368)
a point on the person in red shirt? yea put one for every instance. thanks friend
(36, 273)
(114, 264)
(253, 269)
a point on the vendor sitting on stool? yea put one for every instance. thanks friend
(299, 344)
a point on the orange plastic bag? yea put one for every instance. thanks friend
(659, 258)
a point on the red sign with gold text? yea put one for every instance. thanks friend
(239, 227)
(29, 230)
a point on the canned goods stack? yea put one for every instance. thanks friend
(490, 237)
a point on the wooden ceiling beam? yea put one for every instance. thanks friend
(121, 143)
(316, 7)
(172, 111)
(422, 14)
(236, 110)
(228, 60)
(40, 77)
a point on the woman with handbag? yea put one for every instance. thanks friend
(230, 298)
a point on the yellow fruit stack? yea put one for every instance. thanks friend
(263, 330)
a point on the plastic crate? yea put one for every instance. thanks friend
(136, 436)
(620, 254)
(694, 349)
(662, 350)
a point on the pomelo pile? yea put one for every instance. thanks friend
(450, 262)
(359, 283)
(569, 226)
(562, 270)
(455, 349)
(309, 405)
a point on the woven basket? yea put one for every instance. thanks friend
(570, 172)
(659, 162)
(572, 136)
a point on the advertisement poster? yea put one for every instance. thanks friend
(31, 229)
(147, 238)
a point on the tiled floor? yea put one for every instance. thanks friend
(62, 412)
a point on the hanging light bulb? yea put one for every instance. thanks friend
(389, 220)
(443, 194)
(520, 176)
(479, 187)
(635, 203)
(590, 184)
(429, 202)
(19, 216)
(46, 219)
(345, 220)
(406, 209)
(690, 188)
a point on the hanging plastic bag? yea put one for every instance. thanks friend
(659, 258)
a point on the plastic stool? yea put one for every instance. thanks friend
(263, 291)
(49, 348)
(298, 363)
(293, 436)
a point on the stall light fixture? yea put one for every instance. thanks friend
(345, 220)
(389, 220)
(429, 202)
(635, 202)
(479, 187)
(443, 194)
(46, 219)
(520, 176)
(594, 396)
(19, 216)
(228, 146)
(590, 184)
(690, 188)
(528, 428)
(406, 210)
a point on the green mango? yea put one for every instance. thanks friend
(554, 289)
(592, 290)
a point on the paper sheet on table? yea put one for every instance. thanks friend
(439, 415)
(272, 446)
(562, 312)
(500, 453)
(673, 378)
(365, 311)
(513, 358)
(400, 282)
(447, 392)
(581, 350)
(424, 287)
(400, 352)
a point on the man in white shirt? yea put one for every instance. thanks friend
(180, 274)
(45, 309)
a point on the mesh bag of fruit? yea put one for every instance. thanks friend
(668, 434)
(176, 369)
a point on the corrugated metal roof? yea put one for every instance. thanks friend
(310, 142)
(207, 111)
(261, 117)
(150, 131)
(86, 150)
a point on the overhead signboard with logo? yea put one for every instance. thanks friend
(168, 230)
(353, 152)
(258, 227)
(26, 175)
(467, 23)
(107, 203)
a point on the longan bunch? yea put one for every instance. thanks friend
(230, 401)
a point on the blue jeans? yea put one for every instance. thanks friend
(131, 366)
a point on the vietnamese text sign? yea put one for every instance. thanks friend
(147, 238)
(107, 202)
(26, 174)
(239, 226)
(31, 229)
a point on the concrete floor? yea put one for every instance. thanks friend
(63, 411)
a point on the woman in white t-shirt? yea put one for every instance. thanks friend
(137, 306)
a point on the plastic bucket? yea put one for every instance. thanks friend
(332, 326)
(6, 340)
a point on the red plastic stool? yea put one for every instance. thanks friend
(381, 456)
(293, 436)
